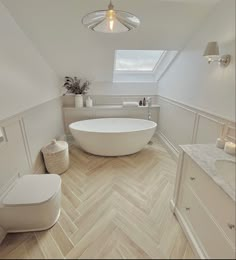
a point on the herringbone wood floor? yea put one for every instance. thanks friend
(111, 208)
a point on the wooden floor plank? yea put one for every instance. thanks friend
(112, 208)
(48, 245)
(33, 249)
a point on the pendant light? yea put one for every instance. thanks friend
(110, 20)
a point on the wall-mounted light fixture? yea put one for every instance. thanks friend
(213, 55)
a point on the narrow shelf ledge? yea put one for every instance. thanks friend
(109, 107)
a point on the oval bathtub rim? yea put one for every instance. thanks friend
(113, 132)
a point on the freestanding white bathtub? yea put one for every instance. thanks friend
(112, 136)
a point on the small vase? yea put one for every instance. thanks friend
(79, 101)
(89, 102)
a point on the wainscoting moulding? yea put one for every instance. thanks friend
(21, 113)
(18, 118)
(227, 125)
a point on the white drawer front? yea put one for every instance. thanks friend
(218, 203)
(211, 239)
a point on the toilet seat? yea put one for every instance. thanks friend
(33, 190)
(32, 203)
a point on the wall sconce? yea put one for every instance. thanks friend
(213, 55)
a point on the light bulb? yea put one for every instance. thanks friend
(111, 24)
(110, 17)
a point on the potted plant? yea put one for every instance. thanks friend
(78, 87)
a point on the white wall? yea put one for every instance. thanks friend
(56, 30)
(30, 106)
(25, 78)
(192, 81)
(109, 88)
(197, 99)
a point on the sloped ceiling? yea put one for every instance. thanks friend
(54, 27)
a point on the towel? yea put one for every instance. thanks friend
(130, 104)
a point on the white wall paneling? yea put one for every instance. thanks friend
(24, 136)
(176, 122)
(181, 124)
(230, 132)
(13, 151)
(207, 130)
(42, 124)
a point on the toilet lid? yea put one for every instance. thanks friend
(33, 189)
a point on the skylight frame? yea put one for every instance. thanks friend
(151, 76)
(127, 71)
(159, 61)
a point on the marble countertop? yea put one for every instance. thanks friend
(205, 155)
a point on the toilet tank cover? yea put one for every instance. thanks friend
(33, 189)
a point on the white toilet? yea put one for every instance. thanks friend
(31, 203)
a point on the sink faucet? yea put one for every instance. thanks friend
(149, 102)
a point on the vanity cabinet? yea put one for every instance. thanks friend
(204, 210)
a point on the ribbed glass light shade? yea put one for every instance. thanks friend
(110, 21)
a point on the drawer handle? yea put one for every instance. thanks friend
(192, 178)
(231, 226)
(188, 209)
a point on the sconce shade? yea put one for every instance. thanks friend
(211, 50)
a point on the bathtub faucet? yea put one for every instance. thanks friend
(149, 102)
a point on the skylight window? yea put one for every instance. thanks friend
(141, 65)
(137, 60)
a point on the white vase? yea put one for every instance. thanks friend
(79, 101)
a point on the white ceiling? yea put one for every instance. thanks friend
(54, 27)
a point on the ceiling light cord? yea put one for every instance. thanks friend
(110, 6)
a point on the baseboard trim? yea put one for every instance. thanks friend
(167, 143)
(62, 137)
(40, 170)
(199, 253)
(172, 206)
(2, 235)
(70, 139)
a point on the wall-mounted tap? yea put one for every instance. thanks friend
(149, 102)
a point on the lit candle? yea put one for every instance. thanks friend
(230, 148)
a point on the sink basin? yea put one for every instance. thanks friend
(226, 169)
